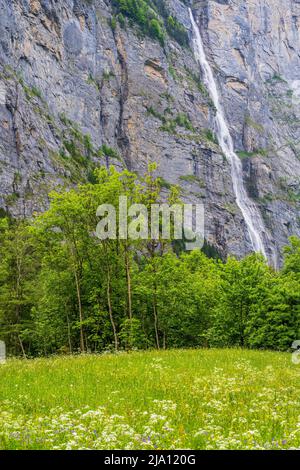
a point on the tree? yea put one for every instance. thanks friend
(240, 288)
(292, 256)
(17, 269)
(64, 230)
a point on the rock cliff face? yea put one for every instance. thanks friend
(74, 80)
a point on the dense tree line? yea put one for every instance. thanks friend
(62, 290)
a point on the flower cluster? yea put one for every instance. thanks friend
(87, 429)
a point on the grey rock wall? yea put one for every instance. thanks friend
(66, 74)
(255, 49)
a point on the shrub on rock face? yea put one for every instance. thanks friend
(177, 31)
(152, 17)
(156, 30)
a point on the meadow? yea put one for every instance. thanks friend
(178, 399)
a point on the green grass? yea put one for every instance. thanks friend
(196, 399)
(260, 152)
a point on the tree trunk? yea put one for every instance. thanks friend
(22, 348)
(69, 335)
(82, 347)
(128, 278)
(156, 323)
(110, 309)
(164, 341)
(155, 309)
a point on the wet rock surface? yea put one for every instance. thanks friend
(67, 76)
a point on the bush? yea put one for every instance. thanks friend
(177, 31)
(108, 152)
(152, 17)
(131, 334)
(156, 30)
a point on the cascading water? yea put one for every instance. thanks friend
(248, 208)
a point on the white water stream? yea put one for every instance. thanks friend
(248, 208)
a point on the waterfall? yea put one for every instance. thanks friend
(248, 208)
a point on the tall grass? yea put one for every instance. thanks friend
(195, 399)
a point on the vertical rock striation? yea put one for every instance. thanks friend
(77, 88)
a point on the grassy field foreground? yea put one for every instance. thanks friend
(204, 399)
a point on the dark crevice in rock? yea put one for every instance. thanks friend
(122, 137)
(250, 178)
(13, 106)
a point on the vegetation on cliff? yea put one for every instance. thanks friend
(153, 19)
